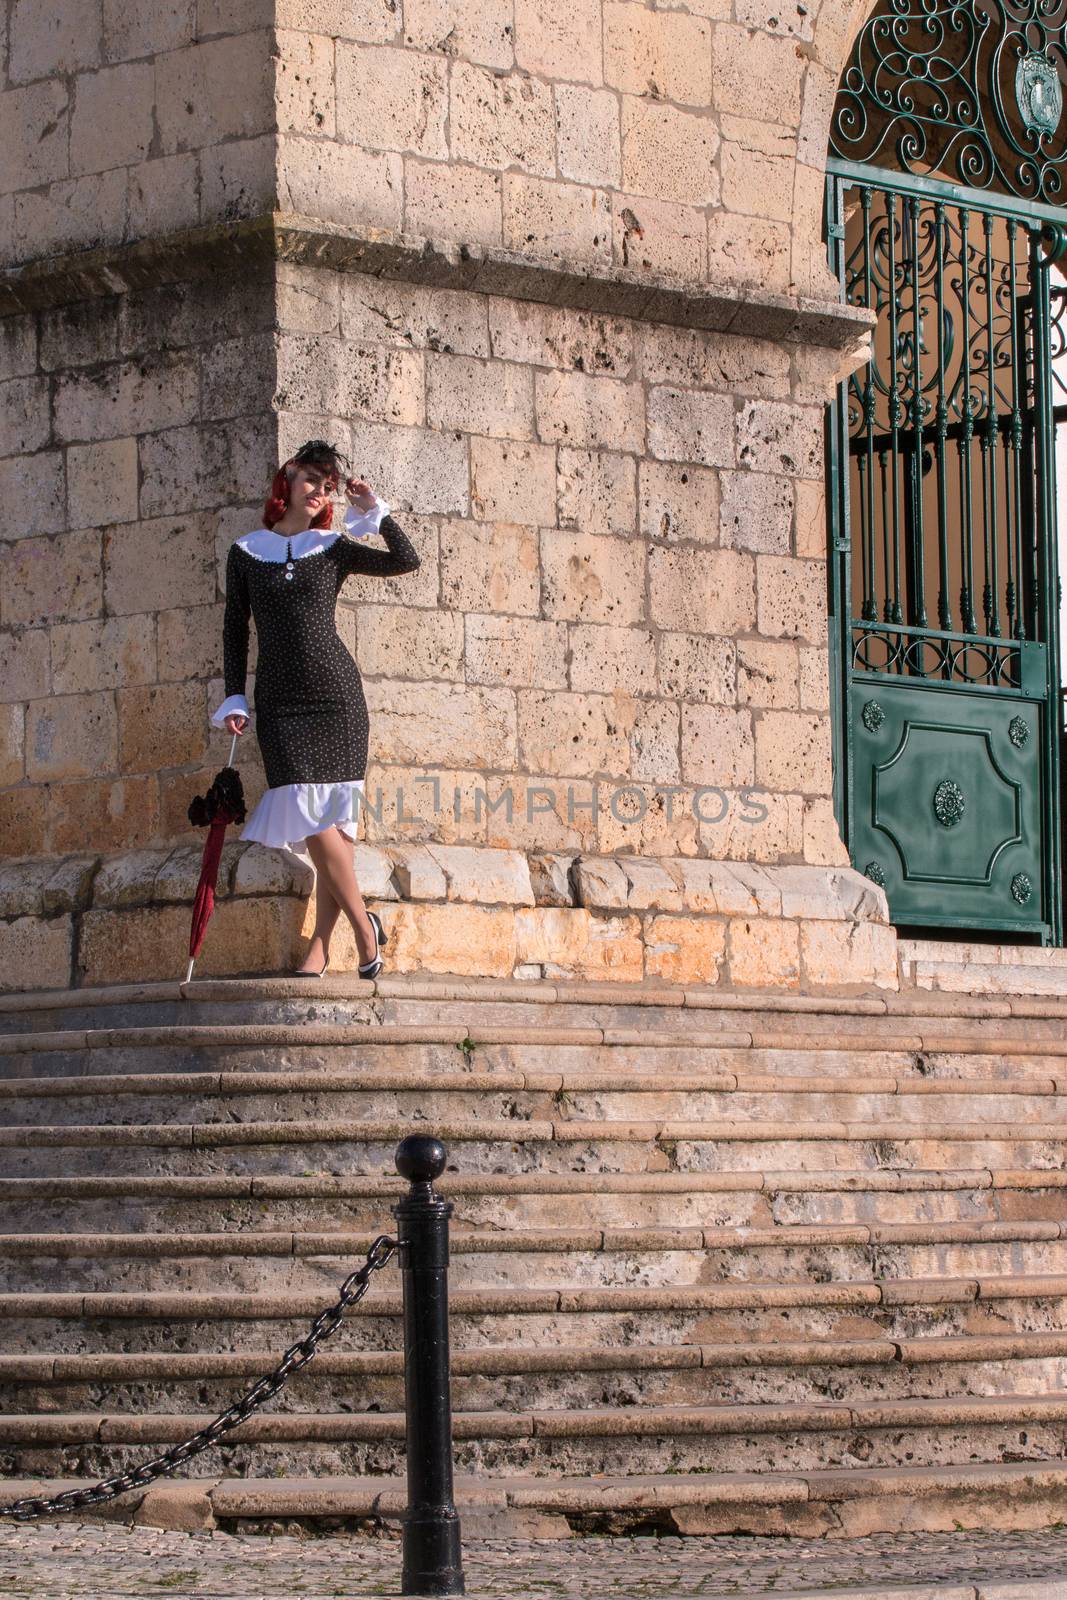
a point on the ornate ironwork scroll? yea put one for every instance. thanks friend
(971, 89)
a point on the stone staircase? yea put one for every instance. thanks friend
(720, 1262)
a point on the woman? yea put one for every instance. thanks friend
(311, 712)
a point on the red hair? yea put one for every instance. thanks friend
(278, 501)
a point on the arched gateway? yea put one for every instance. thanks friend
(946, 188)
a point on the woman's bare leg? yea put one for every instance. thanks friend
(327, 912)
(331, 855)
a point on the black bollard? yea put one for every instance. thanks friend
(433, 1557)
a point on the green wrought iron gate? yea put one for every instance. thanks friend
(943, 516)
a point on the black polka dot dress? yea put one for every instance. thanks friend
(311, 717)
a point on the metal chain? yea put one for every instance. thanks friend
(298, 1355)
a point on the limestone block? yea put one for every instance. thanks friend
(560, 336)
(128, 398)
(254, 934)
(693, 666)
(663, 53)
(102, 482)
(597, 732)
(24, 415)
(601, 882)
(499, 121)
(35, 129)
(517, 650)
(520, 812)
(464, 939)
(103, 655)
(75, 213)
(37, 484)
(466, 725)
(609, 659)
(588, 136)
(81, 332)
(177, 877)
(597, 491)
(24, 664)
(726, 887)
(162, 196)
(18, 345)
(22, 887)
(696, 358)
(160, 564)
(407, 641)
(410, 316)
(791, 598)
(767, 673)
(512, 482)
(124, 811)
(463, 28)
(12, 744)
(744, 63)
(233, 369)
(371, 20)
(215, 90)
(824, 895)
(757, 511)
(751, 825)
(702, 591)
(489, 567)
(391, 98)
(653, 749)
(446, 201)
(550, 878)
(560, 39)
(53, 580)
(194, 633)
(111, 124)
(811, 526)
(669, 153)
(793, 751)
(823, 844)
(418, 873)
(128, 879)
(651, 885)
(258, 870)
(717, 746)
(691, 426)
(574, 944)
(318, 177)
(586, 578)
(484, 876)
(756, 182)
(565, 222)
(24, 819)
(748, 250)
(814, 679)
(305, 96)
(679, 502)
(578, 408)
(764, 953)
(418, 468)
(684, 949)
(135, 28)
(652, 235)
(777, 436)
(70, 886)
(71, 736)
(35, 954)
(846, 953)
(159, 725)
(488, 397)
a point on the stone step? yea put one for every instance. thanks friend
(614, 1440)
(811, 1196)
(518, 1377)
(445, 1098)
(273, 1147)
(553, 1257)
(839, 1501)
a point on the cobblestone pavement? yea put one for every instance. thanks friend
(72, 1561)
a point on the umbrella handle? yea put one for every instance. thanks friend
(233, 747)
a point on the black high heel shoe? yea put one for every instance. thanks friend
(371, 968)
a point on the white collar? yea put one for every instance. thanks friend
(266, 545)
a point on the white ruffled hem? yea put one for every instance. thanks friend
(282, 818)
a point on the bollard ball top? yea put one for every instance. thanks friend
(420, 1158)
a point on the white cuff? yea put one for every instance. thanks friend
(359, 523)
(235, 703)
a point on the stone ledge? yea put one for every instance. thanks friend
(450, 909)
(481, 269)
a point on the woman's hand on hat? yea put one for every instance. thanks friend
(360, 494)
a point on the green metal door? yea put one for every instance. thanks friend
(943, 520)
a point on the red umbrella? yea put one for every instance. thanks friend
(224, 803)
